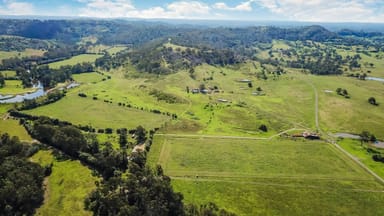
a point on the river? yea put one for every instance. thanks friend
(375, 79)
(21, 97)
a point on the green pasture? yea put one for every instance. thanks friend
(359, 151)
(88, 78)
(8, 73)
(13, 87)
(277, 197)
(25, 53)
(267, 177)
(99, 114)
(375, 70)
(115, 49)
(253, 158)
(13, 128)
(67, 186)
(353, 115)
(75, 60)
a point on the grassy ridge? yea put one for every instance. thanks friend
(75, 60)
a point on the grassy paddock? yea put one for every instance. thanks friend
(359, 151)
(67, 186)
(267, 177)
(8, 73)
(86, 78)
(99, 114)
(14, 87)
(75, 60)
(25, 53)
(13, 128)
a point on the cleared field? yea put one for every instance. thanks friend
(8, 73)
(27, 52)
(14, 87)
(267, 177)
(99, 114)
(338, 114)
(254, 158)
(88, 77)
(269, 197)
(75, 60)
(13, 128)
(359, 151)
(67, 186)
(115, 49)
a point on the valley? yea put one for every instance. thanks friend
(226, 122)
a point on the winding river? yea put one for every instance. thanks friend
(26, 96)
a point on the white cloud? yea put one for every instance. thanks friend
(325, 10)
(124, 8)
(11, 7)
(106, 8)
(243, 6)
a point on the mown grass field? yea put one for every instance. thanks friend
(75, 60)
(99, 114)
(267, 177)
(13, 87)
(67, 186)
(13, 128)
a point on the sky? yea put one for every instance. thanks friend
(247, 10)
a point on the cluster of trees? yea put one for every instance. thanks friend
(108, 62)
(318, 60)
(151, 58)
(54, 53)
(343, 92)
(372, 101)
(2, 80)
(50, 77)
(21, 181)
(20, 44)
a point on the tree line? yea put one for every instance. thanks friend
(128, 185)
(21, 181)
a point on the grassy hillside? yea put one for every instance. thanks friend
(75, 60)
(67, 186)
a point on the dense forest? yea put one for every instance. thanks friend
(21, 181)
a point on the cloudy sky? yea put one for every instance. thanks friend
(251, 10)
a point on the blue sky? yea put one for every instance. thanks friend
(250, 10)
